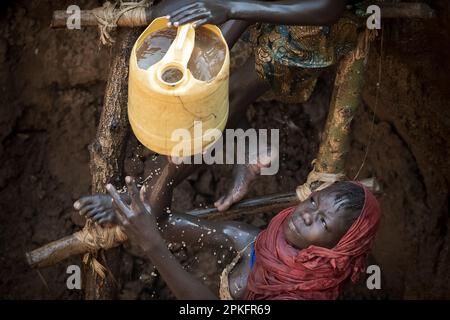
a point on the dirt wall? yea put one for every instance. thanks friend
(52, 83)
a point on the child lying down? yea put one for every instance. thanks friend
(306, 252)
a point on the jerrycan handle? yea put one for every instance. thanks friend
(178, 55)
(182, 36)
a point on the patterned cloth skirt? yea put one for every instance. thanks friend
(291, 58)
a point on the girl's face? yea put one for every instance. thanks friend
(318, 221)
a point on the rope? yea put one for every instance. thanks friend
(326, 179)
(94, 238)
(131, 14)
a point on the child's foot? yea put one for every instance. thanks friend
(98, 208)
(243, 176)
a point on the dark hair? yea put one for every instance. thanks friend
(348, 196)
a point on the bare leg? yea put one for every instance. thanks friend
(245, 87)
(244, 174)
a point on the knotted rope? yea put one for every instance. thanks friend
(131, 14)
(94, 238)
(326, 179)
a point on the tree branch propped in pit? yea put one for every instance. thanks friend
(108, 151)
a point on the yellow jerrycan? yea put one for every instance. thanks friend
(169, 96)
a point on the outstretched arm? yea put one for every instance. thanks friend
(290, 12)
(231, 30)
(140, 226)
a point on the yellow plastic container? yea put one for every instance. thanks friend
(156, 108)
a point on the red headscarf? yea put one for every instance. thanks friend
(286, 273)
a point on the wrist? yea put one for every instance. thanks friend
(151, 246)
(233, 10)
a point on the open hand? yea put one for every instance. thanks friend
(202, 11)
(137, 219)
(97, 207)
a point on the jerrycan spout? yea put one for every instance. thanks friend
(172, 69)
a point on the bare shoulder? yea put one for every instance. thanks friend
(241, 234)
(238, 277)
(243, 237)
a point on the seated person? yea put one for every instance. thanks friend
(307, 252)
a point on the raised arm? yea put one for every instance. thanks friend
(141, 227)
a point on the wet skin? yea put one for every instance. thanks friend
(145, 230)
(316, 221)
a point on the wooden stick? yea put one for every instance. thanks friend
(108, 151)
(55, 251)
(88, 19)
(264, 204)
(345, 100)
(388, 10)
